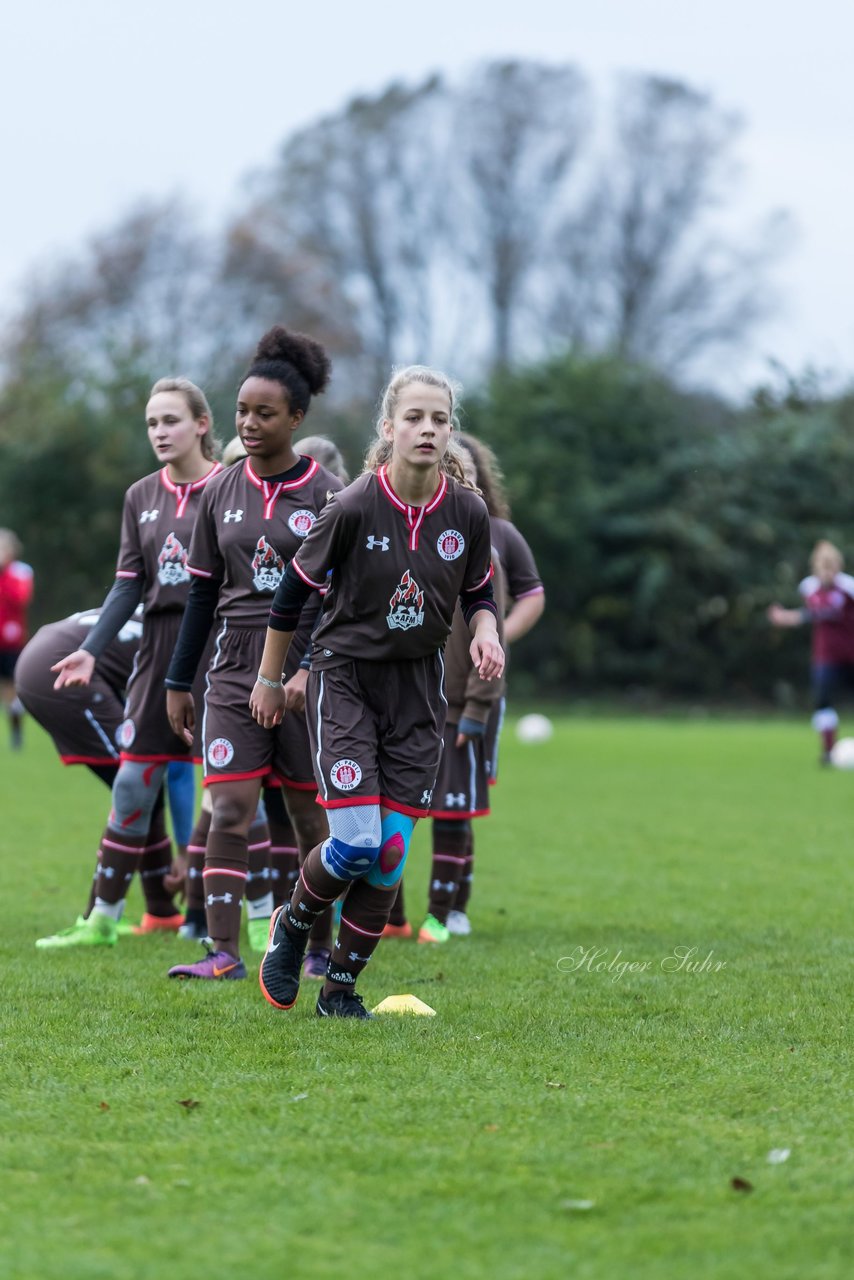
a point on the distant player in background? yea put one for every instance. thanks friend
(157, 522)
(470, 759)
(16, 592)
(828, 596)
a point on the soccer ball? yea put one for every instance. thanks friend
(842, 754)
(536, 728)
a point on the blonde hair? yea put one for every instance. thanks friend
(825, 552)
(380, 451)
(326, 452)
(197, 403)
(233, 452)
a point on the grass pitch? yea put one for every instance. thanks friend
(656, 996)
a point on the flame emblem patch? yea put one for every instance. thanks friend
(406, 606)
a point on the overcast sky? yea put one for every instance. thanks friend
(102, 103)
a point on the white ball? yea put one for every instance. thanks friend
(842, 754)
(534, 728)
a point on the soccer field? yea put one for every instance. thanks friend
(655, 997)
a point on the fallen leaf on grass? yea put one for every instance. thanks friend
(189, 1103)
(103, 1106)
(555, 1084)
(577, 1206)
(741, 1184)
(491, 1128)
(778, 1155)
(142, 1181)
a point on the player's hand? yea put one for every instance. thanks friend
(181, 711)
(487, 654)
(76, 669)
(780, 617)
(175, 879)
(295, 691)
(267, 705)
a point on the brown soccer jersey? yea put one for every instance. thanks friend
(517, 560)
(396, 570)
(157, 524)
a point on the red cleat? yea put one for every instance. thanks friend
(397, 930)
(158, 924)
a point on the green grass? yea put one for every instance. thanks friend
(454, 1146)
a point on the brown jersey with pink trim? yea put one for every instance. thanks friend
(397, 570)
(157, 525)
(517, 560)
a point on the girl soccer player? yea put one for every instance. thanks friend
(252, 522)
(402, 544)
(159, 513)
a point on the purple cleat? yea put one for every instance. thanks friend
(216, 964)
(314, 964)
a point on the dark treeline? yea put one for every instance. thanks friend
(562, 255)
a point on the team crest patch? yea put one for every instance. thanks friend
(126, 733)
(172, 562)
(451, 544)
(300, 522)
(267, 566)
(406, 605)
(220, 753)
(345, 775)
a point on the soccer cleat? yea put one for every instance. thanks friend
(458, 924)
(315, 962)
(158, 924)
(96, 931)
(216, 965)
(398, 930)
(124, 928)
(279, 974)
(257, 931)
(432, 930)
(341, 1003)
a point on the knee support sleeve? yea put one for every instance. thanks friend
(397, 831)
(354, 841)
(135, 792)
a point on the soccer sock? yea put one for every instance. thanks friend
(120, 857)
(195, 891)
(464, 890)
(284, 856)
(363, 919)
(155, 864)
(314, 893)
(259, 892)
(93, 887)
(449, 860)
(398, 908)
(226, 867)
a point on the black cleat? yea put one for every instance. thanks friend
(280, 969)
(341, 1004)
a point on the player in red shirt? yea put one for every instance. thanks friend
(16, 592)
(828, 596)
(157, 522)
(398, 547)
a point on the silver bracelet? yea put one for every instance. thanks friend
(269, 684)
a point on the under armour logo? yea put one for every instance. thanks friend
(373, 543)
(426, 796)
(234, 516)
(149, 515)
(224, 897)
(455, 801)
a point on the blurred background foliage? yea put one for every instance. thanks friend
(569, 259)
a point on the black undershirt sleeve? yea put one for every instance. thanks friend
(193, 636)
(122, 599)
(482, 597)
(291, 595)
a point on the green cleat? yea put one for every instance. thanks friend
(97, 931)
(432, 930)
(258, 931)
(125, 928)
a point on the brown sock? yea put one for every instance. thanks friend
(120, 858)
(363, 919)
(449, 857)
(226, 866)
(196, 863)
(398, 908)
(314, 893)
(284, 856)
(90, 904)
(154, 866)
(259, 894)
(464, 891)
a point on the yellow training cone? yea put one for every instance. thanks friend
(404, 1004)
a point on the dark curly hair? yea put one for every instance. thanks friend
(490, 481)
(298, 363)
